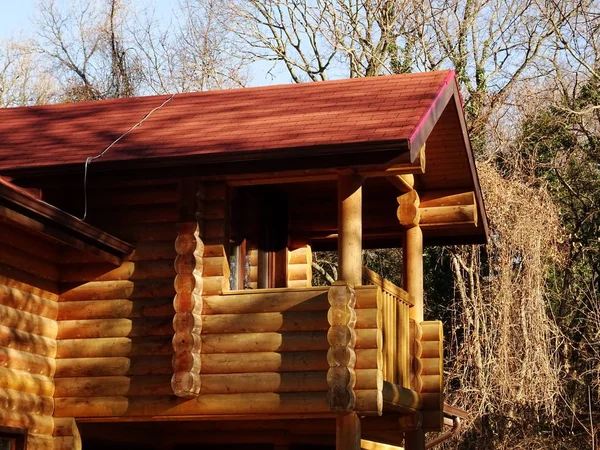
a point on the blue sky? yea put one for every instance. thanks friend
(16, 15)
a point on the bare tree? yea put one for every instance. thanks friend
(86, 45)
(23, 80)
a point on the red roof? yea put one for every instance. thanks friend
(251, 122)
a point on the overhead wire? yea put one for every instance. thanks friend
(103, 152)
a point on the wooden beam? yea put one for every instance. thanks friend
(347, 432)
(350, 228)
(409, 216)
(404, 183)
(399, 399)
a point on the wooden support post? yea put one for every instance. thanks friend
(413, 269)
(412, 249)
(350, 228)
(414, 440)
(347, 432)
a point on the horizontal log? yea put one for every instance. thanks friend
(432, 331)
(102, 328)
(301, 255)
(220, 363)
(33, 422)
(237, 383)
(119, 308)
(135, 215)
(264, 403)
(215, 285)
(368, 338)
(264, 342)
(64, 426)
(155, 250)
(431, 366)
(148, 195)
(40, 442)
(261, 302)
(299, 271)
(113, 366)
(432, 383)
(31, 288)
(42, 249)
(26, 362)
(66, 443)
(215, 266)
(294, 284)
(368, 379)
(150, 232)
(28, 262)
(434, 199)
(115, 346)
(38, 285)
(30, 323)
(215, 190)
(24, 301)
(25, 382)
(280, 342)
(128, 270)
(110, 290)
(432, 401)
(265, 322)
(368, 359)
(367, 297)
(211, 210)
(25, 403)
(431, 349)
(108, 386)
(369, 402)
(27, 342)
(369, 318)
(448, 216)
(214, 250)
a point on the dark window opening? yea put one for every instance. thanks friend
(13, 438)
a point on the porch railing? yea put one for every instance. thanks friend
(395, 307)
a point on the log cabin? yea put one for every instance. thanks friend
(156, 257)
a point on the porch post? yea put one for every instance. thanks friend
(350, 228)
(412, 251)
(350, 270)
(412, 254)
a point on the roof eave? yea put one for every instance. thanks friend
(39, 217)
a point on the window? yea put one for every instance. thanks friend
(12, 438)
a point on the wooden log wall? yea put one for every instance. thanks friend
(431, 374)
(299, 270)
(28, 331)
(396, 304)
(187, 322)
(115, 325)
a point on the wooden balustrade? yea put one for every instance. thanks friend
(395, 304)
